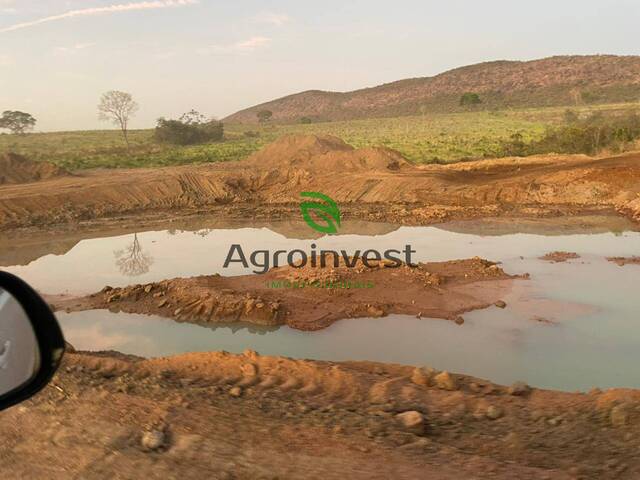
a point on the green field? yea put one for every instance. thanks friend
(421, 139)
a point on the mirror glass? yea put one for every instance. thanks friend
(19, 353)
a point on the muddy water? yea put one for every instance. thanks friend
(574, 325)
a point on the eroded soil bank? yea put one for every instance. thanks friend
(312, 298)
(247, 416)
(369, 184)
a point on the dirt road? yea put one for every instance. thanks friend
(373, 184)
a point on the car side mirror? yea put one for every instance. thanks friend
(31, 343)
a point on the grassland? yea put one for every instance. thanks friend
(421, 139)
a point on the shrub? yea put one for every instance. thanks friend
(470, 99)
(306, 120)
(191, 129)
(251, 134)
(264, 115)
(589, 136)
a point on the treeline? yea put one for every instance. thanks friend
(590, 135)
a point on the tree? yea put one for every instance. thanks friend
(264, 115)
(117, 107)
(16, 121)
(470, 99)
(191, 128)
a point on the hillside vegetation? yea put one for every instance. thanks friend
(555, 81)
(435, 138)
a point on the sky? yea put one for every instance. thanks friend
(58, 56)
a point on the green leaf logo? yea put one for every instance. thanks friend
(327, 210)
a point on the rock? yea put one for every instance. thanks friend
(153, 439)
(445, 381)
(501, 304)
(412, 422)
(518, 389)
(375, 312)
(148, 288)
(162, 303)
(494, 412)
(619, 415)
(113, 298)
(235, 392)
(422, 375)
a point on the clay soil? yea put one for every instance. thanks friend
(300, 298)
(224, 416)
(368, 184)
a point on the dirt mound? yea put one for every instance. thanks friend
(559, 257)
(15, 168)
(312, 298)
(373, 184)
(252, 416)
(622, 261)
(323, 154)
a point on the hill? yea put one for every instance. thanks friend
(563, 80)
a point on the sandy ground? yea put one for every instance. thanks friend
(224, 416)
(435, 290)
(368, 184)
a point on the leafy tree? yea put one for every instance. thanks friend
(264, 115)
(191, 128)
(17, 122)
(118, 107)
(470, 99)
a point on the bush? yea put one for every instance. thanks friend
(188, 131)
(251, 134)
(589, 136)
(306, 120)
(469, 99)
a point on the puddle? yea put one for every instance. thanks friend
(574, 325)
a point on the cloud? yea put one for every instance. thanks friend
(276, 19)
(72, 49)
(244, 46)
(85, 12)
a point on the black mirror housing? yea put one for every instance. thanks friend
(49, 338)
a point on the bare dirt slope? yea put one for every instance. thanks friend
(224, 416)
(18, 169)
(369, 184)
(561, 80)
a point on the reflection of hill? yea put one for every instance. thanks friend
(542, 226)
(24, 249)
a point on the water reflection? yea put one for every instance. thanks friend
(132, 261)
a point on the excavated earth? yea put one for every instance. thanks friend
(368, 184)
(224, 416)
(18, 169)
(312, 298)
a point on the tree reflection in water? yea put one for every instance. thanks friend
(132, 261)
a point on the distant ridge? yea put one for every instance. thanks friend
(562, 80)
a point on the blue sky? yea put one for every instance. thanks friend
(57, 56)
